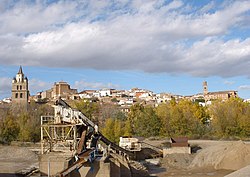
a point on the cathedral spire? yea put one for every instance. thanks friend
(20, 70)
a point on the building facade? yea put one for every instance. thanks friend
(62, 90)
(219, 95)
(20, 89)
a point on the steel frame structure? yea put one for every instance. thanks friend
(57, 135)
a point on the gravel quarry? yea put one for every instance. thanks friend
(213, 158)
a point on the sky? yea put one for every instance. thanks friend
(159, 45)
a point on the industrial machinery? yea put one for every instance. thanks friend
(129, 143)
(71, 127)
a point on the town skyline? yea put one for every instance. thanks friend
(159, 45)
(100, 86)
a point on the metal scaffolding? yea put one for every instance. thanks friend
(57, 136)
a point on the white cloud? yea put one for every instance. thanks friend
(82, 85)
(5, 87)
(244, 87)
(229, 82)
(36, 85)
(142, 35)
(226, 59)
(25, 17)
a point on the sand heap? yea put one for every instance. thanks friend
(230, 156)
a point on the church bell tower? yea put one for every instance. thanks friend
(205, 89)
(20, 90)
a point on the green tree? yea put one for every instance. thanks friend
(108, 129)
(152, 123)
(118, 130)
(135, 115)
(89, 108)
(9, 129)
(144, 121)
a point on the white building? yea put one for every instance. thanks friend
(126, 101)
(105, 92)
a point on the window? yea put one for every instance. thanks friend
(17, 87)
(20, 87)
(21, 95)
(16, 95)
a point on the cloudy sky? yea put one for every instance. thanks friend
(160, 45)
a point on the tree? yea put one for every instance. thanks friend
(144, 121)
(114, 100)
(23, 125)
(231, 118)
(127, 128)
(118, 130)
(163, 111)
(9, 129)
(120, 115)
(184, 118)
(109, 111)
(113, 129)
(152, 123)
(33, 122)
(90, 109)
(135, 115)
(108, 129)
(25, 131)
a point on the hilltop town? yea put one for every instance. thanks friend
(122, 98)
(152, 130)
(124, 88)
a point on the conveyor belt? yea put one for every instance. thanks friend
(83, 159)
(115, 146)
(83, 156)
(88, 122)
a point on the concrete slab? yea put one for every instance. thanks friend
(53, 163)
(243, 172)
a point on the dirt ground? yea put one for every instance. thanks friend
(213, 158)
(199, 172)
(13, 159)
(178, 165)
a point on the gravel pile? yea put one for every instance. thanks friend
(230, 156)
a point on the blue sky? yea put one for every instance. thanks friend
(160, 45)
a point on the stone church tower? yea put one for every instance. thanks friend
(20, 90)
(205, 89)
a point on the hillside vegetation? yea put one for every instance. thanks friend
(229, 120)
